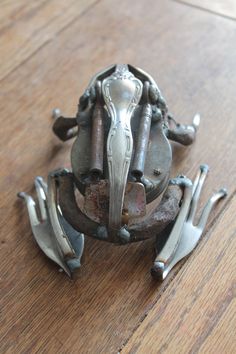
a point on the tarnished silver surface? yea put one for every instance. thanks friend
(121, 163)
(121, 92)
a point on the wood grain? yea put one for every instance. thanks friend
(43, 311)
(28, 26)
(197, 312)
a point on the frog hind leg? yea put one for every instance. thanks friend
(185, 233)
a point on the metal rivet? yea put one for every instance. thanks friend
(156, 171)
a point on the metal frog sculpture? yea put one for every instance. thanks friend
(121, 161)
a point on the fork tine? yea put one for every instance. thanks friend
(41, 193)
(198, 184)
(61, 237)
(30, 203)
(209, 206)
(167, 253)
(196, 181)
(43, 233)
(43, 184)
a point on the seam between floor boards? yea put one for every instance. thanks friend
(50, 40)
(212, 12)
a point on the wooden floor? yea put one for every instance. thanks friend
(49, 51)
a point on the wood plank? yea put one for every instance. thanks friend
(225, 8)
(197, 313)
(222, 337)
(99, 310)
(27, 26)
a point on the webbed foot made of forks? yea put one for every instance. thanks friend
(185, 234)
(53, 234)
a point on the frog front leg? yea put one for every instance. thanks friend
(66, 128)
(182, 133)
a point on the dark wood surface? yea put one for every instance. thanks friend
(49, 51)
